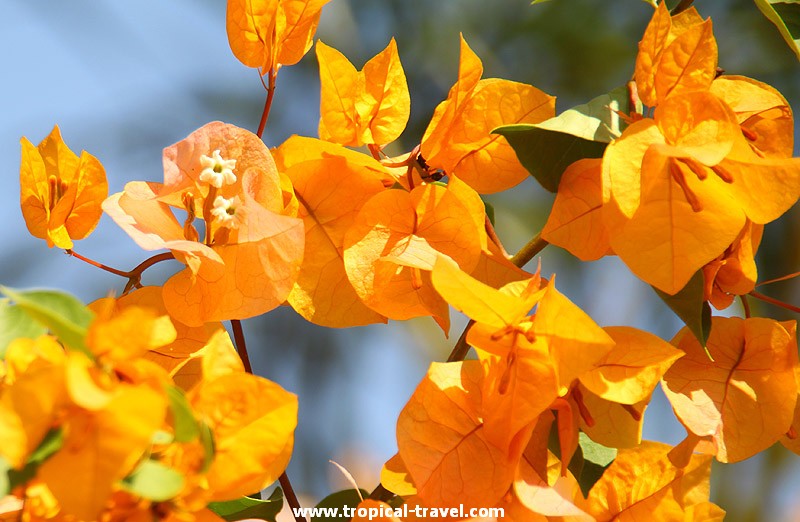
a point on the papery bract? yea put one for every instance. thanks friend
(458, 138)
(751, 377)
(442, 442)
(642, 481)
(369, 106)
(330, 189)
(61, 192)
(394, 243)
(246, 265)
(270, 33)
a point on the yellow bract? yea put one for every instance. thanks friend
(362, 107)
(61, 193)
(752, 377)
(270, 33)
(394, 243)
(458, 139)
(675, 56)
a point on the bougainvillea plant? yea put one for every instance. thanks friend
(141, 407)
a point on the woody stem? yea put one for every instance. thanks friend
(776, 302)
(241, 346)
(273, 74)
(291, 497)
(241, 349)
(529, 251)
(94, 263)
(133, 276)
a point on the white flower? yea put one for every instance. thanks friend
(228, 212)
(217, 171)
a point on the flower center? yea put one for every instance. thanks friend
(228, 212)
(217, 171)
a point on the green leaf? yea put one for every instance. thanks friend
(546, 149)
(10, 478)
(186, 427)
(5, 480)
(154, 481)
(596, 459)
(786, 17)
(248, 507)
(334, 501)
(15, 324)
(209, 446)
(690, 306)
(594, 452)
(489, 211)
(64, 315)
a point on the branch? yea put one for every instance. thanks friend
(529, 251)
(273, 74)
(291, 498)
(776, 302)
(133, 276)
(241, 346)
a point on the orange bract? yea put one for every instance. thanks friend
(178, 356)
(576, 220)
(678, 189)
(642, 482)
(369, 106)
(458, 139)
(752, 378)
(61, 193)
(443, 444)
(250, 256)
(734, 272)
(331, 184)
(395, 241)
(270, 33)
(675, 57)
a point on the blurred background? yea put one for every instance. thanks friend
(125, 79)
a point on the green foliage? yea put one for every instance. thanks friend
(249, 507)
(546, 149)
(690, 305)
(786, 17)
(64, 315)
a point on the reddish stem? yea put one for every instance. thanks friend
(779, 279)
(291, 497)
(241, 347)
(776, 302)
(94, 263)
(273, 74)
(745, 305)
(133, 276)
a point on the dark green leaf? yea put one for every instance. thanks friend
(786, 17)
(64, 315)
(546, 149)
(185, 424)
(15, 323)
(596, 459)
(489, 212)
(248, 507)
(334, 501)
(688, 304)
(209, 446)
(154, 481)
(594, 452)
(12, 478)
(5, 480)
